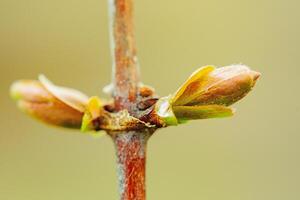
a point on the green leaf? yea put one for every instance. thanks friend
(86, 122)
(93, 110)
(184, 113)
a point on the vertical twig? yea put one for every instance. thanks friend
(130, 146)
(131, 164)
(123, 47)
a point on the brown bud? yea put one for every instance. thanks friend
(222, 86)
(146, 91)
(33, 98)
(206, 94)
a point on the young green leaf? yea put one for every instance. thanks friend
(92, 112)
(184, 113)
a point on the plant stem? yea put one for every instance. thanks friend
(131, 163)
(123, 47)
(130, 145)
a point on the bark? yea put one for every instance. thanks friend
(130, 146)
(131, 163)
(123, 47)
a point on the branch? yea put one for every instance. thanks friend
(125, 65)
(130, 145)
(131, 162)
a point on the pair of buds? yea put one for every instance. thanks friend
(207, 93)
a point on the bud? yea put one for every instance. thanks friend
(222, 86)
(145, 91)
(207, 93)
(49, 103)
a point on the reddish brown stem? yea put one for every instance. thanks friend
(131, 162)
(125, 64)
(131, 145)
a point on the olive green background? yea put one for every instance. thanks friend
(251, 156)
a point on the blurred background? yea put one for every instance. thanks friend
(251, 156)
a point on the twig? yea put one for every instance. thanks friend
(130, 146)
(125, 64)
